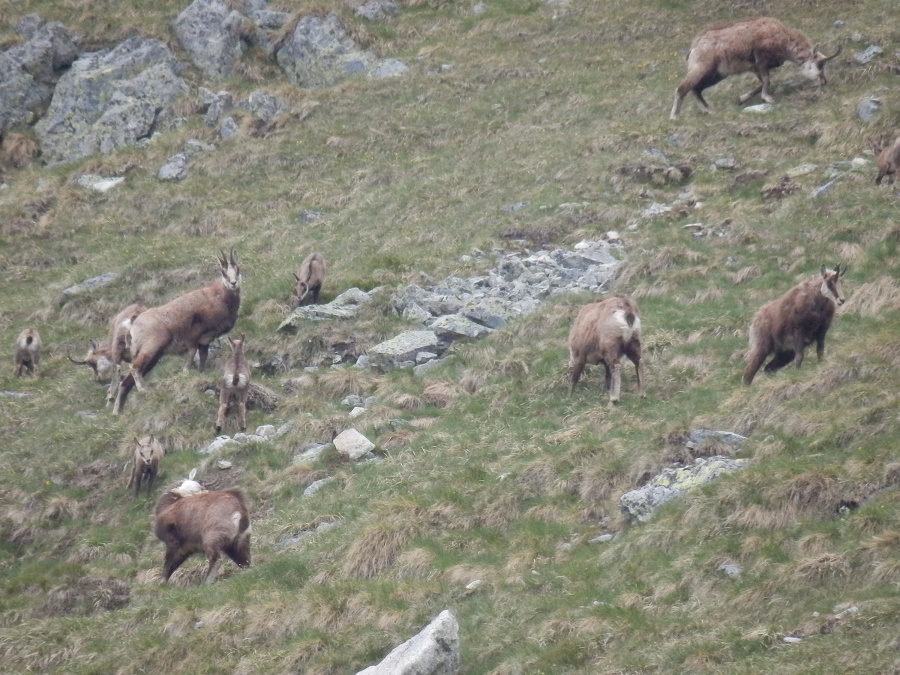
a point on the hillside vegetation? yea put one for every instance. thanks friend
(488, 470)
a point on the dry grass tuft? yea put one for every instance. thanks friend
(406, 401)
(340, 382)
(18, 150)
(873, 298)
(825, 567)
(417, 563)
(472, 380)
(440, 394)
(375, 551)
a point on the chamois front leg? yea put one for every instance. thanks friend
(202, 353)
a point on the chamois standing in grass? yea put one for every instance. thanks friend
(28, 353)
(754, 45)
(310, 278)
(148, 453)
(603, 332)
(887, 159)
(189, 520)
(786, 326)
(235, 385)
(192, 320)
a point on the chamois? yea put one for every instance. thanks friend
(754, 45)
(310, 278)
(786, 326)
(192, 320)
(97, 359)
(235, 384)
(887, 159)
(148, 452)
(603, 332)
(189, 520)
(28, 352)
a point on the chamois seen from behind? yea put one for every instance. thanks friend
(192, 320)
(148, 453)
(189, 520)
(603, 332)
(887, 159)
(27, 353)
(756, 46)
(235, 385)
(786, 326)
(309, 279)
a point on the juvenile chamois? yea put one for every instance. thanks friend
(310, 278)
(148, 452)
(786, 326)
(887, 159)
(28, 353)
(190, 520)
(754, 45)
(192, 320)
(235, 385)
(604, 331)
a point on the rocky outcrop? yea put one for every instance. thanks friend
(210, 32)
(434, 651)
(28, 71)
(111, 99)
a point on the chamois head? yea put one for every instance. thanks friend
(814, 67)
(96, 359)
(231, 270)
(831, 283)
(189, 487)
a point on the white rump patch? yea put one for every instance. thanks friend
(236, 518)
(619, 319)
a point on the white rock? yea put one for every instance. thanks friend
(353, 444)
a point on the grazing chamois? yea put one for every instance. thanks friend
(28, 353)
(754, 45)
(310, 278)
(786, 326)
(148, 452)
(603, 332)
(235, 385)
(887, 159)
(189, 520)
(192, 320)
(97, 359)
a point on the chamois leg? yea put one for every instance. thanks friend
(633, 352)
(746, 97)
(173, 560)
(214, 559)
(124, 387)
(223, 409)
(113, 386)
(202, 352)
(577, 369)
(780, 360)
(753, 366)
(615, 376)
(242, 410)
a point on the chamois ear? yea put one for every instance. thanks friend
(192, 474)
(231, 342)
(841, 271)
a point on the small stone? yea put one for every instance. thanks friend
(223, 464)
(791, 640)
(760, 108)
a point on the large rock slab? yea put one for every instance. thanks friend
(344, 306)
(111, 99)
(209, 31)
(401, 350)
(28, 71)
(640, 504)
(320, 53)
(434, 651)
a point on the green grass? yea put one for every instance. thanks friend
(488, 470)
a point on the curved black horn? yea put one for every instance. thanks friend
(839, 49)
(77, 363)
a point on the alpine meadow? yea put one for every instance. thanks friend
(514, 128)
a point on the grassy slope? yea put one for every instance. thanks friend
(496, 475)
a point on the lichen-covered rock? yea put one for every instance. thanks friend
(640, 504)
(28, 71)
(209, 31)
(434, 651)
(320, 53)
(110, 99)
(402, 349)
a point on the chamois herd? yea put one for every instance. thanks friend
(188, 519)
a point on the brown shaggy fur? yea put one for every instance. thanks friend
(235, 385)
(887, 159)
(28, 352)
(786, 326)
(148, 452)
(310, 278)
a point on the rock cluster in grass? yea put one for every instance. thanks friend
(434, 651)
(641, 503)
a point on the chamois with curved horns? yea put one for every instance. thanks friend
(603, 332)
(28, 353)
(310, 278)
(192, 320)
(756, 46)
(188, 520)
(786, 326)
(235, 384)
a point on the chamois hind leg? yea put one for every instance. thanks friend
(174, 559)
(577, 369)
(202, 353)
(214, 559)
(633, 352)
(223, 409)
(780, 360)
(753, 365)
(615, 377)
(242, 410)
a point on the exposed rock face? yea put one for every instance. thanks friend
(111, 99)
(29, 70)
(640, 504)
(209, 31)
(434, 651)
(320, 53)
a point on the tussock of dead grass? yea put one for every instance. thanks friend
(440, 394)
(873, 298)
(340, 382)
(417, 563)
(825, 567)
(375, 551)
